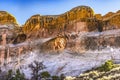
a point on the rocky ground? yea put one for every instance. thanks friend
(113, 74)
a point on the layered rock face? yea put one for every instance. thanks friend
(9, 27)
(78, 20)
(55, 44)
(95, 41)
(52, 24)
(98, 16)
(108, 15)
(9, 31)
(6, 18)
(111, 21)
(101, 42)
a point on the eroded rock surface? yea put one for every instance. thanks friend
(6, 18)
(55, 44)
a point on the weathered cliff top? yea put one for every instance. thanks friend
(48, 21)
(110, 15)
(7, 18)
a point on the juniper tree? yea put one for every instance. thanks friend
(36, 67)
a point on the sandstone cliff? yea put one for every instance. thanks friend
(95, 40)
(79, 19)
(8, 26)
(7, 18)
(111, 21)
(58, 23)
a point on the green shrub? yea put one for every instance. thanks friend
(55, 78)
(45, 74)
(18, 76)
(107, 66)
(62, 77)
(35, 68)
(9, 74)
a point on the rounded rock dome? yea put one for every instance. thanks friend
(83, 11)
(6, 18)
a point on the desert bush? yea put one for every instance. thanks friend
(62, 77)
(17, 76)
(9, 74)
(55, 78)
(45, 75)
(36, 67)
(107, 66)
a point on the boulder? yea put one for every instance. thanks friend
(55, 44)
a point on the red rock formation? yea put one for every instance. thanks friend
(55, 44)
(6, 18)
(57, 24)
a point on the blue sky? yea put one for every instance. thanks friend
(24, 9)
